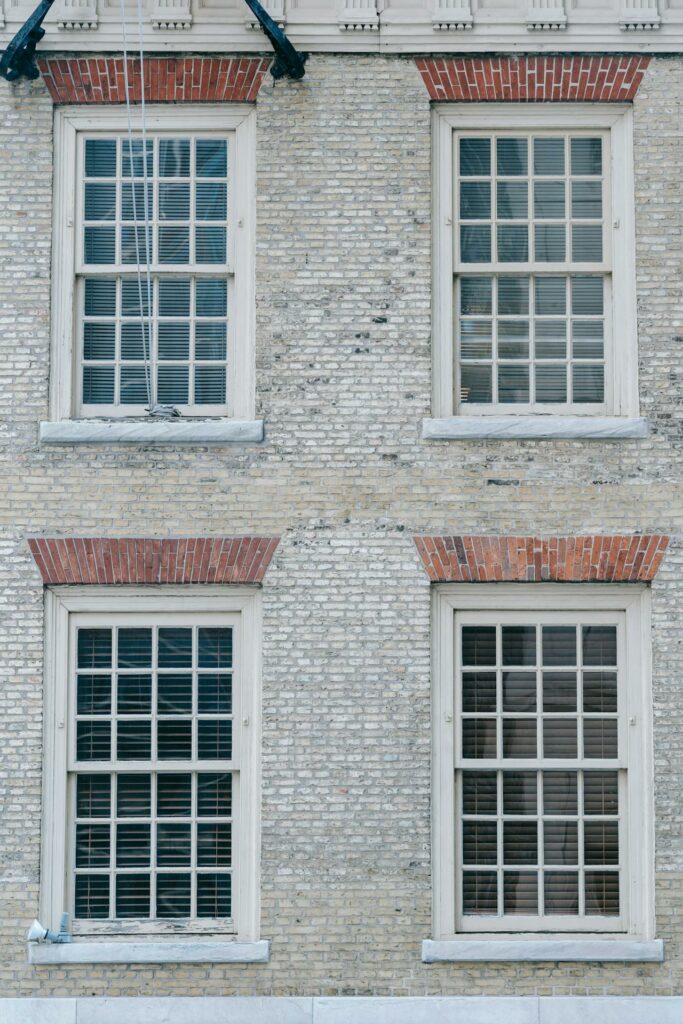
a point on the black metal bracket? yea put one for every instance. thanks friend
(19, 59)
(288, 61)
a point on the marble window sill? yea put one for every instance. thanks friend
(564, 950)
(503, 428)
(153, 952)
(192, 432)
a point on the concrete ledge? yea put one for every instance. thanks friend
(149, 953)
(198, 432)
(542, 950)
(528, 428)
(319, 1010)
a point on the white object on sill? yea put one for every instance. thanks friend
(77, 15)
(562, 428)
(639, 15)
(190, 952)
(452, 16)
(546, 16)
(564, 950)
(275, 8)
(358, 16)
(178, 431)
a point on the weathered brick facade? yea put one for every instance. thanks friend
(343, 380)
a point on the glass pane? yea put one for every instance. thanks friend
(600, 793)
(513, 296)
(479, 691)
(135, 297)
(214, 739)
(519, 645)
(479, 842)
(174, 202)
(549, 156)
(134, 694)
(560, 793)
(588, 339)
(210, 387)
(100, 201)
(133, 202)
(92, 897)
(513, 384)
(588, 383)
(479, 738)
(550, 243)
(93, 695)
(93, 798)
(213, 895)
(132, 846)
(132, 895)
(513, 200)
(549, 200)
(212, 298)
(133, 796)
(174, 845)
(214, 794)
(479, 793)
(476, 339)
(134, 341)
(100, 158)
(513, 339)
(601, 842)
(587, 200)
(561, 842)
(586, 156)
(600, 692)
(475, 296)
(602, 893)
(551, 339)
(513, 243)
(587, 243)
(559, 691)
(174, 795)
(174, 740)
(475, 158)
(174, 693)
(600, 738)
(512, 157)
(211, 158)
(99, 245)
(134, 741)
(551, 296)
(174, 158)
(174, 245)
(600, 645)
(173, 385)
(520, 842)
(92, 846)
(215, 693)
(521, 892)
(99, 341)
(559, 738)
(587, 296)
(561, 889)
(93, 741)
(174, 297)
(135, 648)
(519, 738)
(210, 245)
(214, 845)
(100, 297)
(174, 895)
(175, 647)
(211, 201)
(98, 385)
(214, 648)
(475, 384)
(551, 384)
(475, 244)
(174, 340)
(519, 691)
(134, 242)
(478, 645)
(475, 200)
(520, 792)
(132, 158)
(133, 385)
(479, 892)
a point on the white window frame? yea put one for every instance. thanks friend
(621, 379)
(69, 126)
(633, 602)
(241, 608)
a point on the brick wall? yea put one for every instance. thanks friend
(343, 372)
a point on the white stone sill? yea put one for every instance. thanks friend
(565, 950)
(527, 428)
(189, 952)
(197, 432)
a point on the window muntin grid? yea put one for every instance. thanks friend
(540, 773)
(532, 235)
(152, 772)
(189, 238)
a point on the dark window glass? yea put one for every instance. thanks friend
(93, 695)
(174, 795)
(479, 793)
(93, 741)
(480, 892)
(478, 645)
(134, 741)
(173, 895)
(174, 693)
(94, 648)
(175, 648)
(174, 845)
(134, 694)
(520, 792)
(215, 648)
(479, 842)
(520, 842)
(520, 890)
(132, 895)
(92, 846)
(174, 740)
(479, 738)
(559, 793)
(215, 693)
(214, 844)
(133, 796)
(214, 794)
(479, 691)
(561, 892)
(214, 739)
(214, 895)
(135, 648)
(132, 846)
(93, 796)
(92, 897)
(600, 645)
(519, 645)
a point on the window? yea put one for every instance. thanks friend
(534, 296)
(542, 745)
(154, 765)
(155, 248)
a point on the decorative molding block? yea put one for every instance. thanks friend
(77, 15)
(546, 16)
(533, 79)
(452, 16)
(359, 16)
(135, 560)
(639, 15)
(505, 559)
(171, 15)
(71, 80)
(275, 8)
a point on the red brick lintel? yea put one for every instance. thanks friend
(594, 559)
(138, 560)
(534, 79)
(72, 80)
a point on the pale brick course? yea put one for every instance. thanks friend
(343, 381)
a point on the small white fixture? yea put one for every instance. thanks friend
(39, 933)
